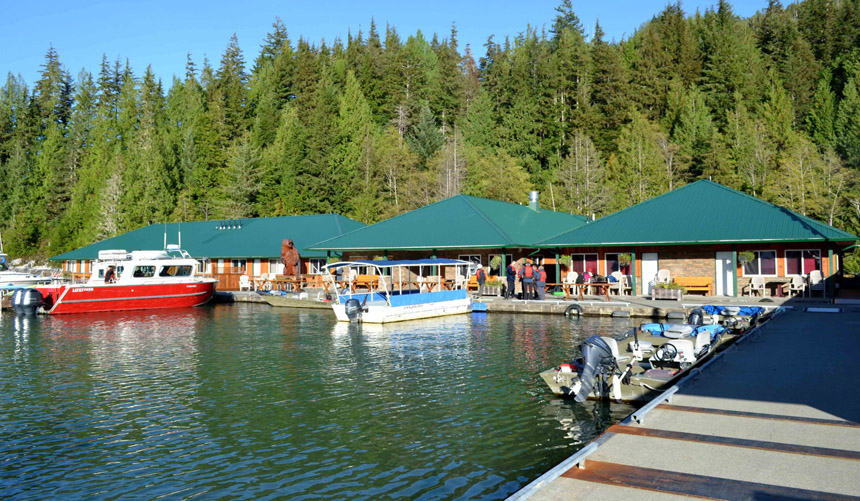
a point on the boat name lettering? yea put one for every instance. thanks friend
(83, 289)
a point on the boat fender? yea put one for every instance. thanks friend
(352, 308)
(573, 310)
(26, 301)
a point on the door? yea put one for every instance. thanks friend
(725, 279)
(649, 271)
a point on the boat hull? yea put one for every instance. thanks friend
(90, 298)
(380, 312)
(292, 302)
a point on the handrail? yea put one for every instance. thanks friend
(577, 459)
(666, 396)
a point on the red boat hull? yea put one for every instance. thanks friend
(111, 297)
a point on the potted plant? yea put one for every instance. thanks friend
(496, 262)
(493, 287)
(565, 261)
(745, 257)
(623, 259)
(671, 290)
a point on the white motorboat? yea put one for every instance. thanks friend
(393, 291)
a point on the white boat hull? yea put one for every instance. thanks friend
(379, 312)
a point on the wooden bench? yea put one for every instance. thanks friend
(697, 284)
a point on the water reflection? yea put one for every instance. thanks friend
(286, 403)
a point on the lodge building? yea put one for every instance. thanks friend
(702, 233)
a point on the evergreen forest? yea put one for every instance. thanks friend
(382, 123)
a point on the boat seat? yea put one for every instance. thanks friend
(613, 345)
(702, 339)
(678, 331)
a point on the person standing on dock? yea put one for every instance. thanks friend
(511, 274)
(481, 278)
(541, 283)
(527, 275)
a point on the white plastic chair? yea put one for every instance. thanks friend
(796, 286)
(663, 277)
(816, 282)
(618, 285)
(244, 283)
(757, 284)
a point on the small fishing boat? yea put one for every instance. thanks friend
(382, 291)
(137, 280)
(295, 300)
(11, 279)
(647, 360)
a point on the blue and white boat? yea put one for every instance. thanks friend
(383, 291)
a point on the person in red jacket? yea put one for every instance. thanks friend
(481, 277)
(540, 283)
(527, 275)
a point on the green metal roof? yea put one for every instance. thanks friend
(701, 212)
(459, 222)
(238, 238)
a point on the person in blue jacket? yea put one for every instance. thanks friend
(511, 274)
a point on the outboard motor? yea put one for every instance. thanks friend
(352, 308)
(26, 301)
(597, 358)
(697, 317)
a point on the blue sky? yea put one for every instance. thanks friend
(161, 33)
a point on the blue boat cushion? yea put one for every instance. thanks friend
(659, 329)
(744, 311)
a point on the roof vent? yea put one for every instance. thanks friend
(534, 201)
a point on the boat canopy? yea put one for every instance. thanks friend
(386, 263)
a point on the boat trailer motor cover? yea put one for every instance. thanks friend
(596, 357)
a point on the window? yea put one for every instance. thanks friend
(275, 266)
(584, 262)
(143, 271)
(175, 271)
(474, 259)
(316, 266)
(508, 259)
(202, 266)
(764, 263)
(801, 262)
(238, 266)
(612, 264)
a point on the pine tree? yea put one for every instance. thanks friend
(610, 92)
(819, 121)
(425, 138)
(847, 124)
(580, 178)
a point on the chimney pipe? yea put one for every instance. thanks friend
(534, 201)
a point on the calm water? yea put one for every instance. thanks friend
(253, 402)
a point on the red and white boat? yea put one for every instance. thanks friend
(142, 280)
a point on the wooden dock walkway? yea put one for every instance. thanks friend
(775, 416)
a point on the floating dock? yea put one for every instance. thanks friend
(774, 416)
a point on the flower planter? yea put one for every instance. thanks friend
(491, 290)
(660, 293)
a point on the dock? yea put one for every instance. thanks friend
(774, 416)
(619, 306)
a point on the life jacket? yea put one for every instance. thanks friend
(542, 276)
(528, 271)
(480, 274)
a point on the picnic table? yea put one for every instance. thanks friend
(602, 287)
